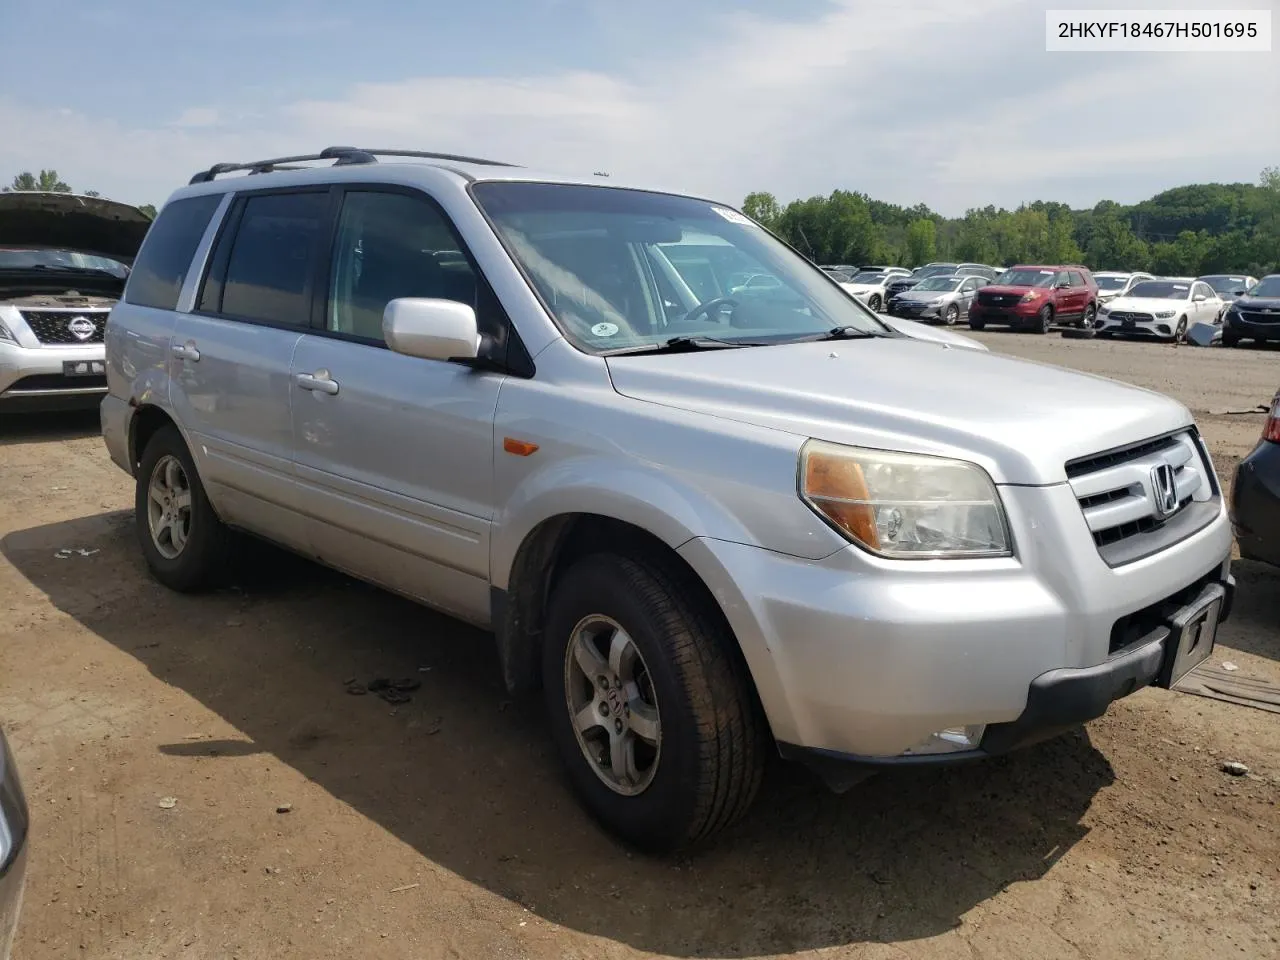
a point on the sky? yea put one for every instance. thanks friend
(953, 103)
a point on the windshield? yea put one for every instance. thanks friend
(871, 277)
(939, 283)
(1161, 290)
(59, 260)
(1026, 278)
(1226, 286)
(1110, 283)
(1266, 287)
(943, 270)
(625, 269)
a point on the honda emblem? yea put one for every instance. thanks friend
(1164, 489)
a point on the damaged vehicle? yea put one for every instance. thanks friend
(64, 259)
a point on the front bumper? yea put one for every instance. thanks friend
(1161, 328)
(1014, 315)
(1255, 504)
(37, 377)
(14, 828)
(916, 310)
(1235, 325)
(866, 658)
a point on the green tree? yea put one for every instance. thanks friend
(47, 181)
(1270, 178)
(148, 209)
(922, 242)
(762, 208)
(1112, 245)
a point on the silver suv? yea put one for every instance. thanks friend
(706, 524)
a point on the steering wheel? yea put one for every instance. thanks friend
(717, 303)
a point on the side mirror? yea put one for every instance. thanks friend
(431, 329)
(1199, 298)
(1237, 293)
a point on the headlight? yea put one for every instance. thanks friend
(6, 334)
(1165, 314)
(936, 302)
(1033, 295)
(904, 506)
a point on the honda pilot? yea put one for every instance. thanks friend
(705, 523)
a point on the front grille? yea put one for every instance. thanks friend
(55, 327)
(57, 381)
(1122, 316)
(998, 299)
(1255, 316)
(1119, 492)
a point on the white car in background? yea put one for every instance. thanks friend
(869, 287)
(1160, 308)
(1115, 283)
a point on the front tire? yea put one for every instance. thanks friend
(1044, 320)
(976, 324)
(652, 713)
(1180, 331)
(951, 315)
(1230, 340)
(874, 302)
(1088, 317)
(186, 546)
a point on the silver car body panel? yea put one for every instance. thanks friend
(401, 478)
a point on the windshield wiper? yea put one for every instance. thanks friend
(845, 332)
(684, 344)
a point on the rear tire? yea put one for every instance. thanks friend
(186, 546)
(672, 685)
(1087, 319)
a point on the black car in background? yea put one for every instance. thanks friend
(1254, 316)
(14, 824)
(1255, 496)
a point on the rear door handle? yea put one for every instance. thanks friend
(186, 351)
(319, 381)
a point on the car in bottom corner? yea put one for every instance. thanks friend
(1036, 297)
(937, 299)
(63, 262)
(706, 529)
(1164, 309)
(1255, 495)
(14, 828)
(1254, 316)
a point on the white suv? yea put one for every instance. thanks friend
(706, 524)
(63, 262)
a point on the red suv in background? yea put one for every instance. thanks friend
(1035, 298)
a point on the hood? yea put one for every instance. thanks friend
(1004, 288)
(67, 221)
(1146, 304)
(1022, 421)
(1256, 303)
(923, 331)
(925, 296)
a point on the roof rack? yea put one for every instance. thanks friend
(342, 156)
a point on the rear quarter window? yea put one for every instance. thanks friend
(161, 265)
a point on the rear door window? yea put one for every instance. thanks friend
(161, 266)
(272, 259)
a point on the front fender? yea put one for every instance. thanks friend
(661, 502)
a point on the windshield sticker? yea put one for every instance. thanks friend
(1046, 273)
(733, 216)
(605, 329)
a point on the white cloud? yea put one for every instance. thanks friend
(956, 105)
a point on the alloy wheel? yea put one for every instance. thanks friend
(612, 705)
(169, 507)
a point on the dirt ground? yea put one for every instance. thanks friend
(442, 828)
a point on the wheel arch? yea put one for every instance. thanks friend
(546, 552)
(147, 420)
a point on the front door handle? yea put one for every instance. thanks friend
(319, 381)
(186, 351)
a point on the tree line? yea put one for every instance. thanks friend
(1187, 231)
(48, 181)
